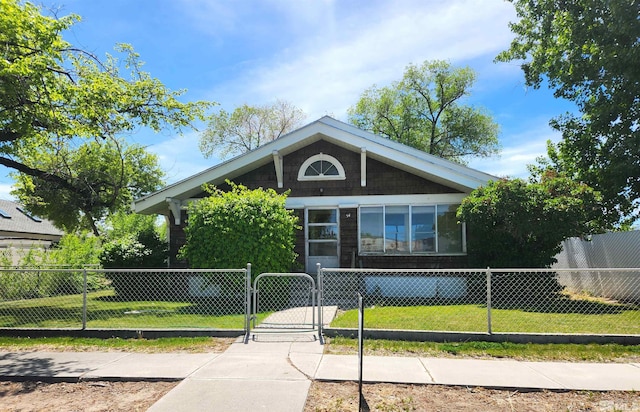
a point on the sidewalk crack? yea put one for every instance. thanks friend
(426, 369)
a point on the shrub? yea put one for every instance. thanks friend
(518, 224)
(133, 241)
(230, 229)
(240, 226)
(74, 251)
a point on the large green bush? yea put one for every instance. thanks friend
(132, 241)
(240, 226)
(519, 224)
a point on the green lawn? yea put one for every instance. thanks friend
(342, 346)
(105, 311)
(570, 352)
(473, 318)
(159, 345)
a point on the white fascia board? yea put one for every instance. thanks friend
(342, 134)
(404, 157)
(193, 185)
(156, 202)
(356, 201)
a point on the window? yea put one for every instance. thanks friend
(396, 233)
(372, 229)
(321, 167)
(423, 229)
(408, 229)
(449, 230)
(323, 232)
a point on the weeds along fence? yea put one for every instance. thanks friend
(124, 299)
(576, 301)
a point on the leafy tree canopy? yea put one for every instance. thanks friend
(519, 224)
(101, 178)
(424, 110)
(589, 51)
(54, 95)
(248, 127)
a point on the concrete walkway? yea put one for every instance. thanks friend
(274, 371)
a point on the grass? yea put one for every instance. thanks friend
(473, 318)
(528, 351)
(104, 310)
(160, 345)
(454, 318)
(342, 346)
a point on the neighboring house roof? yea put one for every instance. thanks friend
(395, 154)
(17, 223)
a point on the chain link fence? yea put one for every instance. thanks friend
(124, 299)
(575, 301)
(563, 301)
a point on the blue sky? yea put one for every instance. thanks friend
(319, 55)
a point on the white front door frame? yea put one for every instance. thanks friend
(322, 233)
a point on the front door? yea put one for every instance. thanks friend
(322, 238)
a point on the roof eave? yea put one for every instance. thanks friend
(412, 160)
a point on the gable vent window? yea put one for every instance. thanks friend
(321, 167)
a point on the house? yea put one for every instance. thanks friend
(21, 230)
(362, 200)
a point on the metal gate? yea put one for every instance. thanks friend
(285, 302)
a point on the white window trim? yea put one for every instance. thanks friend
(373, 200)
(325, 158)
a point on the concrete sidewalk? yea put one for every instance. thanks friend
(274, 372)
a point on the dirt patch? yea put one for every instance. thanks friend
(83, 396)
(323, 397)
(343, 397)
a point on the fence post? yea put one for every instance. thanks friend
(360, 349)
(247, 311)
(320, 302)
(489, 300)
(84, 299)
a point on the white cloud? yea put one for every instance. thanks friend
(523, 150)
(180, 157)
(5, 188)
(325, 71)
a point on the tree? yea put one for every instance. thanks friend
(589, 51)
(424, 111)
(54, 95)
(248, 127)
(519, 224)
(110, 174)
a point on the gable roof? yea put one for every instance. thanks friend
(16, 224)
(339, 133)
